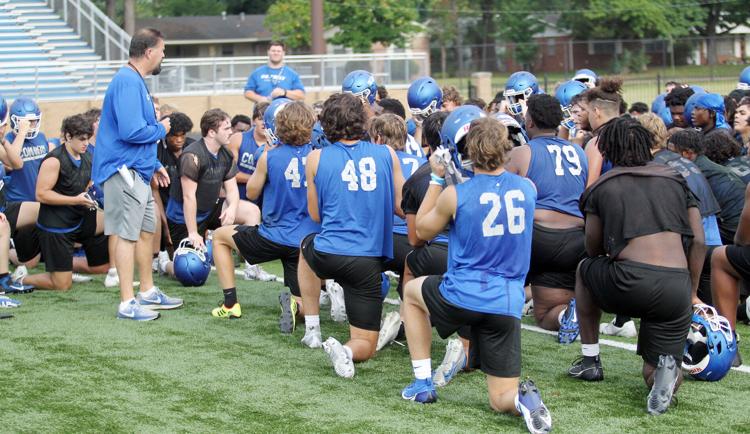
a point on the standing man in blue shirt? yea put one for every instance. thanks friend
(124, 163)
(274, 80)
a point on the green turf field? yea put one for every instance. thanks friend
(70, 366)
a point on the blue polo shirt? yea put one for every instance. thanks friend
(265, 79)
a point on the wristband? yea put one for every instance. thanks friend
(436, 180)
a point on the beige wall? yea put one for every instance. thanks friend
(194, 106)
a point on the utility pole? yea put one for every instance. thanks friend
(318, 41)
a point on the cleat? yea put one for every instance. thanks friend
(158, 300)
(162, 261)
(665, 378)
(222, 311)
(388, 330)
(342, 364)
(324, 299)
(8, 303)
(528, 308)
(422, 391)
(338, 305)
(136, 312)
(20, 272)
(312, 337)
(569, 330)
(10, 286)
(529, 404)
(81, 278)
(453, 363)
(288, 318)
(255, 272)
(585, 369)
(626, 331)
(112, 280)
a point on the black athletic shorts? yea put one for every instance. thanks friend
(178, 231)
(555, 254)
(496, 338)
(358, 275)
(57, 249)
(401, 248)
(659, 296)
(26, 240)
(428, 260)
(257, 249)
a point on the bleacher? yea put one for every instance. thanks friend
(41, 55)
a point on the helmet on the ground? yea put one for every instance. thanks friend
(269, 118)
(191, 267)
(711, 345)
(28, 109)
(360, 83)
(210, 248)
(424, 97)
(587, 77)
(565, 93)
(519, 87)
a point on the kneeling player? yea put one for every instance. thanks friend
(280, 176)
(639, 218)
(489, 251)
(67, 214)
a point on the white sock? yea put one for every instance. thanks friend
(348, 352)
(517, 403)
(422, 368)
(112, 271)
(163, 266)
(124, 304)
(560, 315)
(590, 350)
(312, 321)
(149, 292)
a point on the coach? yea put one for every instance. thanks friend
(124, 163)
(275, 79)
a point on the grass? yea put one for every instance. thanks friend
(70, 366)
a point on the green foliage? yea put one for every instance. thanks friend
(248, 6)
(631, 61)
(289, 21)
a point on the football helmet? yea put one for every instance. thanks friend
(385, 285)
(3, 111)
(210, 247)
(515, 131)
(519, 87)
(658, 103)
(666, 115)
(587, 77)
(697, 89)
(360, 83)
(424, 97)
(25, 108)
(269, 118)
(191, 267)
(454, 130)
(744, 83)
(711, 345)
(565, 93)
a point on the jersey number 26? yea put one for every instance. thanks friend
(516, 216)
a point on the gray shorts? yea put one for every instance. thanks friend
(128, 211)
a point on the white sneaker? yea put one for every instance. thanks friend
(162, 263)
(20, 272)
(255, 272)
(325, 299)
(155, 265)
(312, 337)
(626, 331)
(453, 363)
(80, 278)
(342, 364)
(389, 329)
(338, 305)
(112, 280)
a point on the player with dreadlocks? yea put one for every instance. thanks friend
(639, 217)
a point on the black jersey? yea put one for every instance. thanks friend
(210, 171)
(72, 180)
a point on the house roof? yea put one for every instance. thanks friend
(205, 29)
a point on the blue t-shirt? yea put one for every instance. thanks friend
(285, 217)
(22, 185)
(247, 158)
(409, 165)
(559, 171)
(265, 79)
(355, 198)
(128, 129)
(490, 244)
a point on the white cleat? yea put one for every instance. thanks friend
(388, 330)
(338, 305)
(325, 299)
(80, 278)
(626, 331)
(528, 308)
(20, 272)
(112, 280)
(312, 337)
(342, 364)
(255, 272)
(453, 362)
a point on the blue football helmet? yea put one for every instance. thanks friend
(191, 267)
(3, 111)
(658, 103)
(210, 247)
(587, 77)
(698, 89)
(411, 127)
(744, 83)
(360, 83)
(269, 118)
(454, 130)
(519, 87)
(565, 93)
(25, 108)
(424, 97)
(666, 115)
(385, 285)
(711, 345)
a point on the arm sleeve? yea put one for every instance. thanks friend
(132, 125)
(189, 166)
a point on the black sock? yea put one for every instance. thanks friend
(230, 297)
(589, 360)
(620, 320)
(4, 275)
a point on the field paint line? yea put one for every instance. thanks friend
(611, 343)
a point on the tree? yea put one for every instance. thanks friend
(719, 19)
(289, 20)
(248, 6)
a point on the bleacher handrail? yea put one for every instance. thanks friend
(80, 13)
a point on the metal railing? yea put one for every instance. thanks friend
(224, 75)
(105, 37)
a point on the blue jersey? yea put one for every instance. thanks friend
(265, 79)
(247, 160)
(22, 185)
(355, 198)
(490, 244)
(559, 171)
(412, 147)
(409, 165)
(3, 180)
(285, 217)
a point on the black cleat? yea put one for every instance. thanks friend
(665, 379)
(587, 368)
